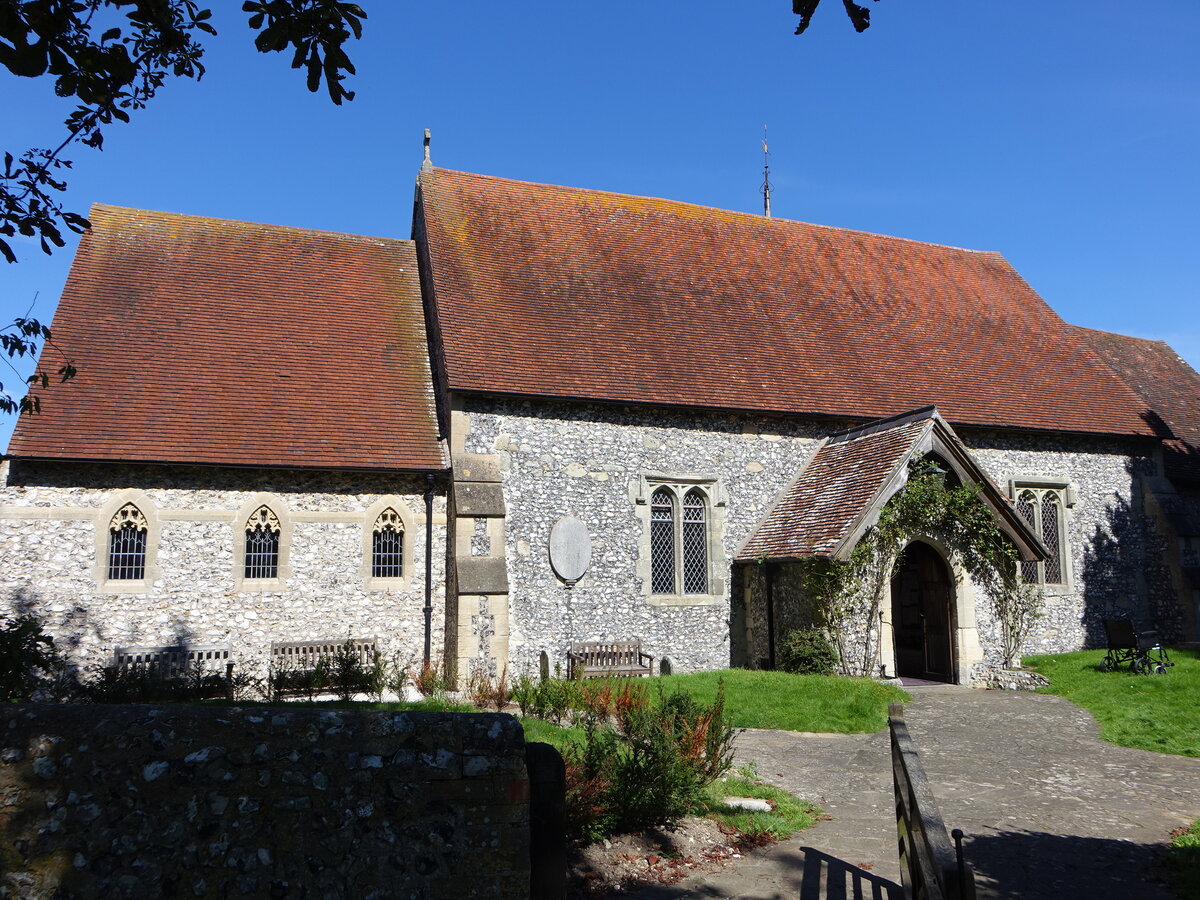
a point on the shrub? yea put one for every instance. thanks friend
(305, 682)
(484, 691)
(649, 765)
(431, 679)
(347, 674)
(524, 693)
(555, 698)
(142, 684)
(27, 659)
(808, 651)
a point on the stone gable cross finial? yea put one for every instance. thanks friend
(427, 164)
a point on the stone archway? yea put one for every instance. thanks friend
(923, 615)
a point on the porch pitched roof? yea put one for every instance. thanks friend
(840, 491)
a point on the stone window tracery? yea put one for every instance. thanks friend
(262, 544)
(387, 545)
(1043, 511)
(127, 534)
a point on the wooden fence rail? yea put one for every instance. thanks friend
(931, 868)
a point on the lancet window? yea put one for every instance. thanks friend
(387, 545)
(262, 544)
(127, 532)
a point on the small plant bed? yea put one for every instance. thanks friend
(1183, 861)
(1147, 712)
(647, 782)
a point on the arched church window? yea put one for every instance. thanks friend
(695, 543)
(387, 545)
(262, 544)
(662, 541)
(127, 531)
(1042, 510)
(679, 541)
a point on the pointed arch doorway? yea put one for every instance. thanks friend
(922, 615)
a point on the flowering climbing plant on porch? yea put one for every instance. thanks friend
(848, 591)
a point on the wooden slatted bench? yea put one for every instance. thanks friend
(174, 662)
(200, 672)
(621, 659)
(306, 654)
(293, 663)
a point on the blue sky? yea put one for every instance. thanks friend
(1064, 135)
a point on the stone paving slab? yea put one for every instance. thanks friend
(1051, 812)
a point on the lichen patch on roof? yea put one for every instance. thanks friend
(209, 341)
(551, 291)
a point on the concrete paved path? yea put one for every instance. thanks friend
(1049, 809)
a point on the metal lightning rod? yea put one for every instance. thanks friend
(766, 185)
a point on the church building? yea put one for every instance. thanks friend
(281, 436)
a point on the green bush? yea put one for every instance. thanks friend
(808, 651)
(27, 659)
(142, 684)
(647, 766)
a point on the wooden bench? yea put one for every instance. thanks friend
(200, 672)
(622, 659)
(173, 662)
(294, 663)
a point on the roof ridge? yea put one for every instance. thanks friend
(199, 219)
(1119, 334)
(877, 425)
(753, 217)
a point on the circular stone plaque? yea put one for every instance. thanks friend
(570, 549)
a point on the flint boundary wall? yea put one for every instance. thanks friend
(125, 801)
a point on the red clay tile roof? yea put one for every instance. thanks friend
(839, 484)
(849, 478)
(1168, 385)
(562, 292)
(216, 342)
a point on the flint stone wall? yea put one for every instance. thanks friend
(1117, 562)
(261, 802)
(49, 516)
(563, 459)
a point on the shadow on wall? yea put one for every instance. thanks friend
(67, 674)
(68, 629)
(1124, 576)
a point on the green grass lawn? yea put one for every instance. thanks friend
(1149, 712)
(788, 816)
(549, 733)
(758, 699)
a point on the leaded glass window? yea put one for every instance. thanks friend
(695, 544)
(262, 544)
(127, 544)
(387, 546)
(1026, 506)
(679, 536)
(1042, 510)
(1051, 538)
(662, 541)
